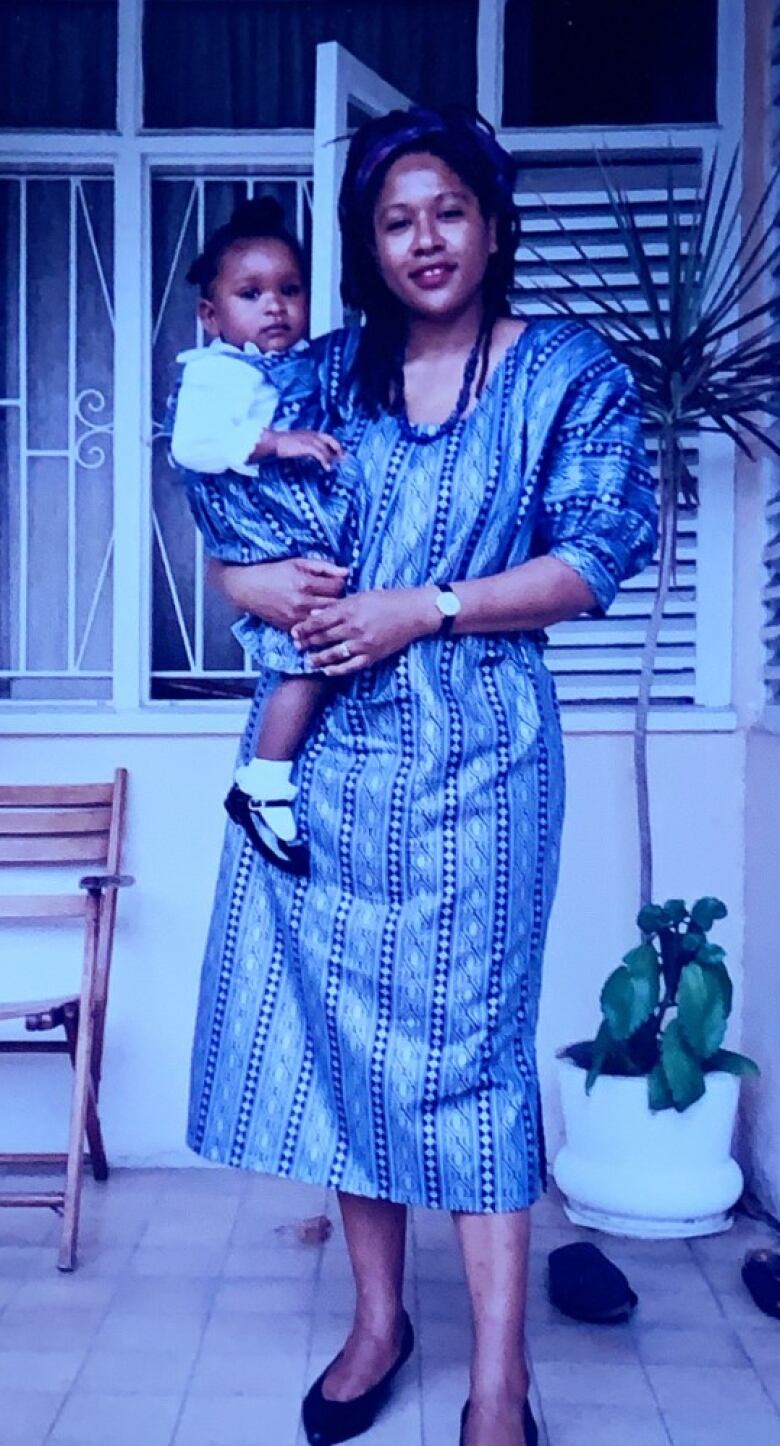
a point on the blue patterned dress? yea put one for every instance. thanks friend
(372, 1028)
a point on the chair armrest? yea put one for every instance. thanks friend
(96, 883)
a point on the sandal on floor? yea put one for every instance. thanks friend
(584, 1284)
(328, 1422)
(761, 1274)
(530, 1428)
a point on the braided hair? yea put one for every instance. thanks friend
(466, 144)
(259, 219)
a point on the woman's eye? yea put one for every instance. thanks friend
(452, 214)
(396, 225)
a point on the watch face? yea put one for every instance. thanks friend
(448, 604)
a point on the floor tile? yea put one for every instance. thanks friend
(97, 1420)
(151, 1371)
(594, 1384)
(28, 1415)
(576, 1425)
(220, 1420)
(40, 1370)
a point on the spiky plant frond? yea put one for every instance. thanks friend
(705, 354)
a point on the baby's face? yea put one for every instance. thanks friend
(258, 296)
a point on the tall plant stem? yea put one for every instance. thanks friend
(668, 460)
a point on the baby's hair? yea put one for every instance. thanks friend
(258, 219)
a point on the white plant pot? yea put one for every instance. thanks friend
(661, 1176)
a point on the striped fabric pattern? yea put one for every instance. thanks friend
(373, 1028)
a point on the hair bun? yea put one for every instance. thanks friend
(260, 216)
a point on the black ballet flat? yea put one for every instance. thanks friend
(292, 858)
(328, 1422)
(530, 1428)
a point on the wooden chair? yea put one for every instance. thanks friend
(68, 825)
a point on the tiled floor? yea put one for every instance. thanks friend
(195, 1319)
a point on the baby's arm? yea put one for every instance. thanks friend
(319, 445)
(223, 407)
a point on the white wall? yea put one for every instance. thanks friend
(761, 1108)
(175, 822)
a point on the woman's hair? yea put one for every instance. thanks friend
(258, 219)
(467, 144)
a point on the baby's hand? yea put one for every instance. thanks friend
(318, 445)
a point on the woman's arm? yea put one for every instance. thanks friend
(281, 593)
(374, 625)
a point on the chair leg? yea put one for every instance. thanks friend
(97, 1151)
(81, 1081)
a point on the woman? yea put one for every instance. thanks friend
(373, 1029)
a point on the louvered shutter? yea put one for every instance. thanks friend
(772, 554)
(562, 201)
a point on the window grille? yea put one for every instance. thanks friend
(56, 404)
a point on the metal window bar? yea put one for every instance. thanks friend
(55, 636)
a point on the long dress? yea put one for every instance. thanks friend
(372, 1028)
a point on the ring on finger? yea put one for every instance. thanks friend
(345, 650)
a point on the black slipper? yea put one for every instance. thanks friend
(327, 1423)
(585, 1285)
(761, 1274)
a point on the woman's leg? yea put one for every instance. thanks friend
(376, 1240)
(495, 1255)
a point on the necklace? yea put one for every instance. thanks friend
(415, 432)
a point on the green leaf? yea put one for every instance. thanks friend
(701, 1010)
(627, 1001)
(692, 940)
(652, 918)
(659, 1094)
(721, 973)
(676, 910)
(710, 954)
(705, 911)
(682, 1070)
(732, 1063)
(600, 1049)
(642, 962)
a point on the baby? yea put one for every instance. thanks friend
(262, 482)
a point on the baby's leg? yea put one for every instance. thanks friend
(289, 714)
(287, 718)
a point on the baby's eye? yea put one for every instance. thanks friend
(292, 289)
(249, 293)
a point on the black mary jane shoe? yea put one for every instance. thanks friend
(293, 857)
(530, 1428)
(328, 1422)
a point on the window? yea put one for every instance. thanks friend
(58, 64)
(91, 511)
(251, 63)
(55, 444)
(566, 220)
(610, 62)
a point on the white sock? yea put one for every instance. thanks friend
(270, 778)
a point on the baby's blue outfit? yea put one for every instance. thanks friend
(283, 509)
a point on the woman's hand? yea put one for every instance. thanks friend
(281, 593)
(344, 637)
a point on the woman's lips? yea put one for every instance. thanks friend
(430, 278)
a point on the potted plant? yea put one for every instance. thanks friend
(705, 355)
(649, 1105)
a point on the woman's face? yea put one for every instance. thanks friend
(432, 241)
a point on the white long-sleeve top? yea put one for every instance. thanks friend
(222, 408)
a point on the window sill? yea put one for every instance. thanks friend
(178, 719)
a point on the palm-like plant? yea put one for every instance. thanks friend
(705, 356)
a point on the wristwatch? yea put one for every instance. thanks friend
(449, 605)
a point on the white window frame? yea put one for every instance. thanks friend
(134, 154)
